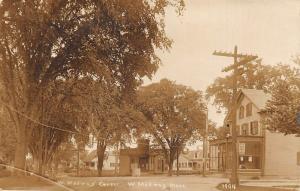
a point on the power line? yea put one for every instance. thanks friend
(37, 122)
(56, 128)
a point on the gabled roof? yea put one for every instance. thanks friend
(93, 154)
(90, 156)
(190, 155)
(258, 97)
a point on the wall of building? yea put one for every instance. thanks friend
(108, 164)
(247, 119)
(160, 164)
(281, 155)
(183, 164)
(124, 165)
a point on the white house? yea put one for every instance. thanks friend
(189, 161)
(109, 162)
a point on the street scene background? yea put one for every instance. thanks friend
(149, 95)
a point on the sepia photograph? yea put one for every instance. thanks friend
(149, 95)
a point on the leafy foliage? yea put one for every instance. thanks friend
(104, 114)
(59, 109)
(176, 113)
(253, 76)
(44, 41)
(281, 111)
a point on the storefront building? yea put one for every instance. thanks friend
(257, 147)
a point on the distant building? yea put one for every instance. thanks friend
(145, 160)
(109, 161)
(153, 161)
(190, 161)
(260, 152)
(134, 158)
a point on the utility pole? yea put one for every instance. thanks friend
(238, 60)
(205, 143)
(78, 159)
(177, 158)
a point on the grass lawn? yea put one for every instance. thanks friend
(22, 181)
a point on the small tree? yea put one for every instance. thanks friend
(109, 117)
(282, 110)
(58, 110)
(176, 113)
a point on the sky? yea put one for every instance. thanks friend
(267, 28)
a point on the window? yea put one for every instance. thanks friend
(254, 127)
(112, 164)
(298, 158)
(250, 157)
(238, 130)
(244, 129)
(196, 155)
(190, 165)
(248, 109)
(241, 113)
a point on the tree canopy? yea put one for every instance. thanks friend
(109, 119)
(43, 41)
(281, 111)
(255, 75)
(176, 113)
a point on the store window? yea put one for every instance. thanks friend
(248, 109)
(241, 112)
(251, 157)
(254, 127)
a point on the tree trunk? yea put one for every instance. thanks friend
(24, 131)
(20, 152)
(40, 159)
(35, 164)
(101, 147)
(171, 161)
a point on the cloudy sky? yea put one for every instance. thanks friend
(267, 28)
